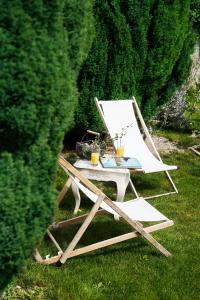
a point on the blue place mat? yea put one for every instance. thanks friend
(120, 162)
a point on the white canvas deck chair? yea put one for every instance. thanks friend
(119, 114)
(133, 212)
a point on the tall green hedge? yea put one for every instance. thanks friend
(195, 15)
(139, 49)
(42, 44)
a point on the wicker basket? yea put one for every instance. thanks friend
(84, 147)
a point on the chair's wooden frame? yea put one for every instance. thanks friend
(149, 138)
(139, 230)
(195, 149)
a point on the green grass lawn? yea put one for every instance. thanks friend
(193, 99)
(133, 269)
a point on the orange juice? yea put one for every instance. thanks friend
(94, 158)
(120, 151)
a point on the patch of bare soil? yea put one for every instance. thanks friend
(164, 145)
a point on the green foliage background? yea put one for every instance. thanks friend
(141, 48)
(43, 44)
(195, 14)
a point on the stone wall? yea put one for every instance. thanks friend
(173, 112)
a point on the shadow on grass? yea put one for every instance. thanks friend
(102, 228)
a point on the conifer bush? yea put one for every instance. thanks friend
(37, 99)
(141, 48)
(195, 15)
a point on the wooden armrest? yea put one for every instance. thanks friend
(93, 132)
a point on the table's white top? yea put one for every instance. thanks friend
(86, 164)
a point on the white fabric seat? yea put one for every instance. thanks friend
(137, 209)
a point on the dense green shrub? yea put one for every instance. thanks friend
(37, 100)
(195, 14)
(78, 20)
(139, 49)
(169, 30)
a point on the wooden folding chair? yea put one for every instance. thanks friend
(133, 212)
(119, 114)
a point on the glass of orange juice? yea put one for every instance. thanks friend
(94, 158)
(120, 151)
(95, 155)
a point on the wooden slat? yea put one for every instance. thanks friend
(195, 150)
(156, 196)
(118, 239)
(133, 188)
(101, 115)
(171, 181)
(93, 132)
(75, 220)
(51, 260)
(66, 165)
(82, 229)
(37, 256)
(54, 241)
(146, 131)
(47, 261)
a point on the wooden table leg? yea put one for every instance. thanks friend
(63, 191)
(77, 197)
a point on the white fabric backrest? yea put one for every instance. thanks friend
(119, 114)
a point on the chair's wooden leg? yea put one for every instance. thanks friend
(195, 150)
(37, 256)
(171, 181)
(157, 245)
(133, 188)
(82, 229)
(63, 191)
(54, 241)
(175, 191)
(159, 195)
(151, 141)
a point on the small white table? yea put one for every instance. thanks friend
(120, 176)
